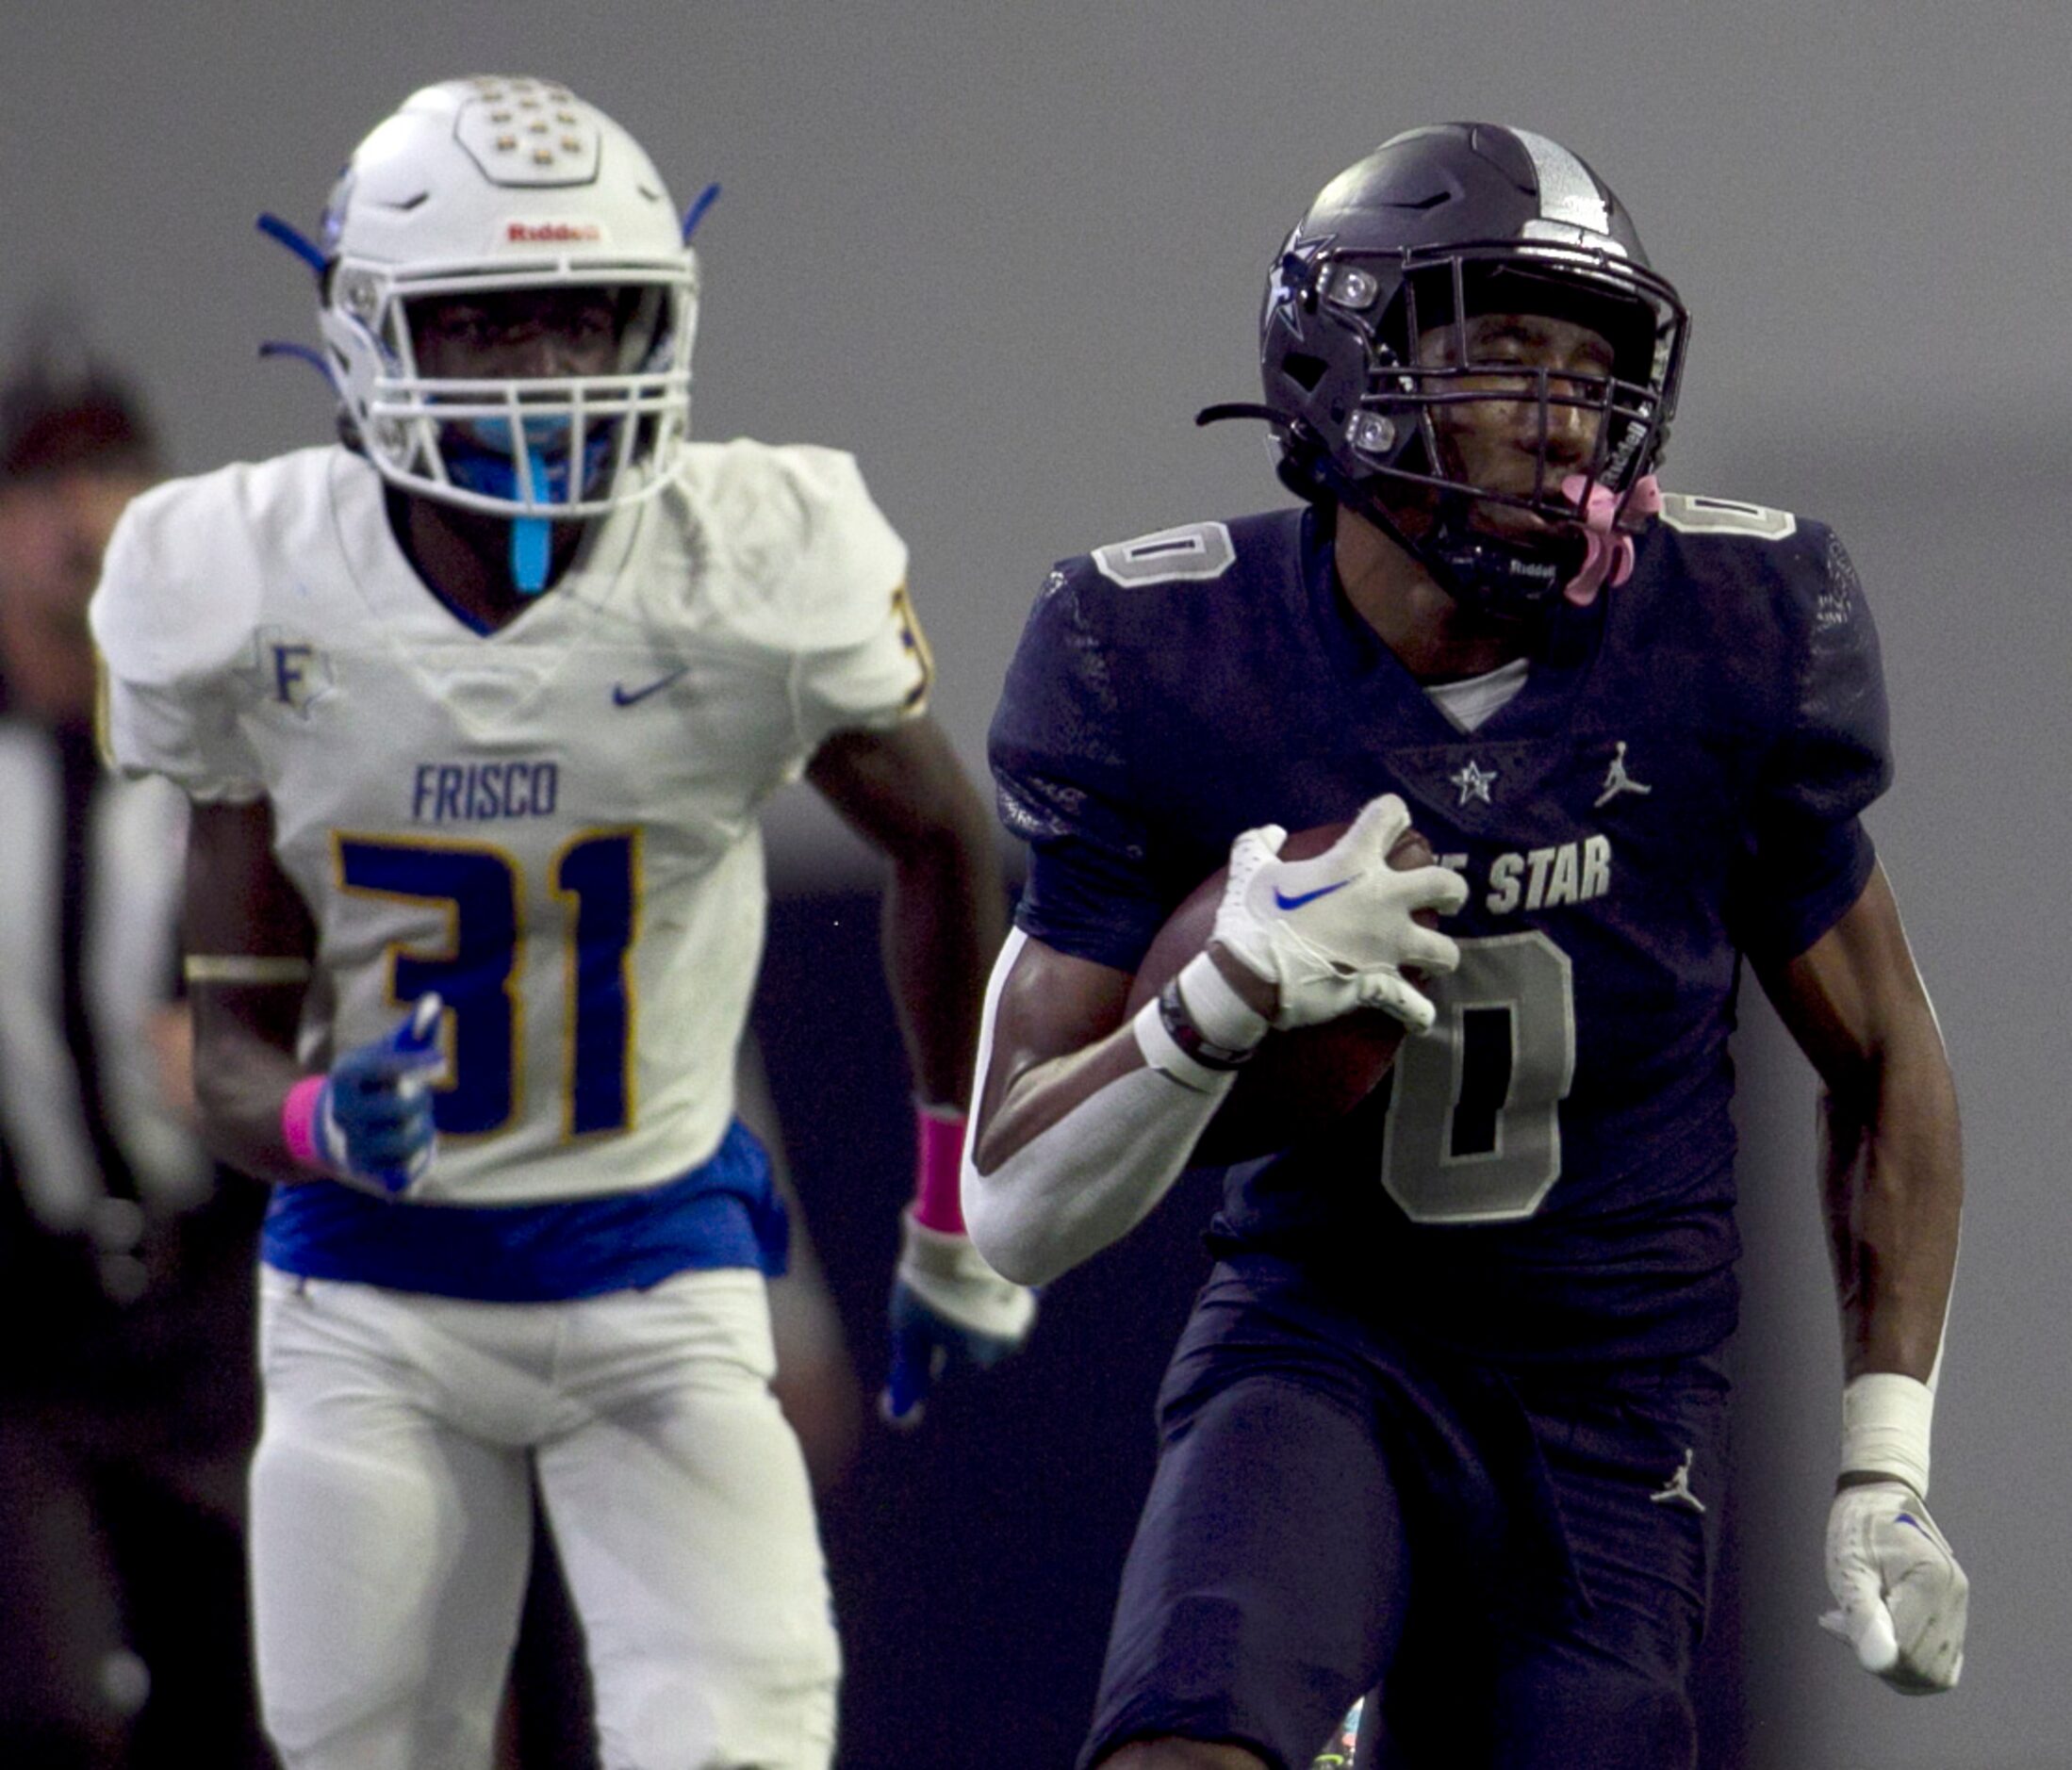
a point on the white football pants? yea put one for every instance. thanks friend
(391, 1522)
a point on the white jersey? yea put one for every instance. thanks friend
(554, 824)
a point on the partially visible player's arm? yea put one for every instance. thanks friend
(1085, 1121)
(904, 792)
(1891, 1167)
(1893, 1176)
(249, 942)
(1077, 1136)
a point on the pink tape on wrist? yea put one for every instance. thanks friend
(938, 1169)
(299, 1123)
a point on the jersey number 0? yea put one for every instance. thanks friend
(1473, 1131)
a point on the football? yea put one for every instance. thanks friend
(1300, 1078)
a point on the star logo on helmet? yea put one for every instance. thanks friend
(1294, 273)
(1475, 781)
(1281, 308)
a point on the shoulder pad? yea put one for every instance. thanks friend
(181, 583)
(794, 551)
(1690, 513)
(1729, 561)
(1195, 552)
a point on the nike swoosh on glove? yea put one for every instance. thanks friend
(1337, 932)
(1901, 1597)
(948, 1307)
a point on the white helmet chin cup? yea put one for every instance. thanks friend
(482, 185)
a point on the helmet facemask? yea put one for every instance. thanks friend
(554, 448)
(1427, 365)
(1368, 362)
(482, 190)
(1429, 360)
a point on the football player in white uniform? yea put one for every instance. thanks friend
(477, 713)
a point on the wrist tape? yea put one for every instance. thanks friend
(1217, 1012)
(299, 1126)
(1198, 1028)
(938, 1163)
(1886, 1420)
(1171, 1059)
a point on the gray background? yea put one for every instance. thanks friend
(1005, 251)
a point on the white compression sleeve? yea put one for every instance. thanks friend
(1092, 1177)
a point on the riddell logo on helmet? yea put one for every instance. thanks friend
(551, 233)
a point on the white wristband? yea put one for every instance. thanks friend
(1163, 1054)
(1223, 1016)
(1886, 1420)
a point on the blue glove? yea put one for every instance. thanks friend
(948, 1307)
(373, 1117)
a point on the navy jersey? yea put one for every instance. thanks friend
(1549, 1171)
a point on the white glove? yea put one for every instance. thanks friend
(948, 1307)
(951, 1276)
(1901, 1598)
(1335, 933)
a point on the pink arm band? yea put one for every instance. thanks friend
(299, 1123)
(939, 1160)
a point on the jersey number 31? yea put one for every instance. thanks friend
(597, 875)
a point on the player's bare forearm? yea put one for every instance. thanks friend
(241, 1081)
(248, 941)
(1892, 1162)
(1060, 1035)
(944, 915)
(1894, 1185)
(944, 920)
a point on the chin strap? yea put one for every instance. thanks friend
(1607, 557)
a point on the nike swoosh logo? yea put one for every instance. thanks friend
(1296, 902)
(624, 696)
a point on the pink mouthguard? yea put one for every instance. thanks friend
(1608, 556)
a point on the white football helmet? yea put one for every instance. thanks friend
(488, 183)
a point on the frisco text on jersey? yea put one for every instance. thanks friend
(483, 792)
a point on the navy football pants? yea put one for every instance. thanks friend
(1520, 1563)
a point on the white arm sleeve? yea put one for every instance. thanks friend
(1095, 1174)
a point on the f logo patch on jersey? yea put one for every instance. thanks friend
(289, 671)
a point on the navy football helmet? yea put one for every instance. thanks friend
(1432, 228)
